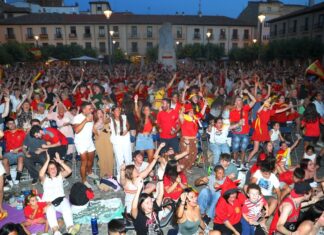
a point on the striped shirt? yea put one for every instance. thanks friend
(253, 210)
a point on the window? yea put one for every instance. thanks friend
(235, 34)
(116, 31)
(266, 24)
(134, 31)
(196, 33)
(149, 45)
(134, 47)
(222, 45)
(149, 31)
(58, 32)
(101, 31)
(73, 32)
(87, 32)
(43, 30)
(179, 32)
(30, 34)
(306, 24)
(275, 31)
(88, 45)
(222, 34)
(294, 29)
(73, 44)
(284, 28)
(234, 45)
(102, 47)
(268, 9)
(99, 8)
(246, 35)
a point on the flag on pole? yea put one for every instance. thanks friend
(38, 75)
(36, 52)
(316, 69)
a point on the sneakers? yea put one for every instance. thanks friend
(57, 233)
(86, 183)
(6, 188)
(74, 229)
(34, 181)
(16, 182)
(10, 182)
(93, 176)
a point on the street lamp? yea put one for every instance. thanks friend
(108, 14)
(261, 20)
(254, 41)
(36, 38)
(208, 34)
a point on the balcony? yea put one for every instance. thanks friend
(179, 35)
(11, 36)
(30, 37)
(73, 36)
(235, 37)
(43, 36)
(115, 35)
(222, 37)
(133, 36)
(149, 36)
(87, 35)
(101, 35)
(246, 37)
(304, 28)
(318, 26)
(196, 36)
(58, 36)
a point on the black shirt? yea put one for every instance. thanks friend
(142, 222)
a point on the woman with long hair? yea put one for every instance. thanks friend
(144, 140)
(103, 145)
(311, 123)
(120, 139)
(52, 175)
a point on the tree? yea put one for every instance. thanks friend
(152, 54)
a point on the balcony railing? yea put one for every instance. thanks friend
(30, 37)
(179, 35)
(133, 35)
(72, 35)
(87, 35)
(304, 28)
(292, 30)
(282, 32)
(197, 36)
(58, 36)
(10, 36)
(246, 37)
(222, 37)
(116, 35)
(318, 26)
(43, 36)
(235, 37)
(101, 35)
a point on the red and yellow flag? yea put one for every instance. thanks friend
(36, 52)
(316, 69)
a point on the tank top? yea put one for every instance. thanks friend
(130, 191)
(189, 227)
(275, 135)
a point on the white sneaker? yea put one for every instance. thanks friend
(86, 183)
(11, 183)
(15, 182)
(93, 176)
(6, 188)
(57, 233)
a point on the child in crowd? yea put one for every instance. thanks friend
(310, 153)
(254, 211)
(276, 137)
(116, 227)
(35, 212)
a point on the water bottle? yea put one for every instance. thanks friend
(94, 225)
(20, 202)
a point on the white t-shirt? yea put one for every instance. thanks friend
(142, 167)
(266, 185)
(41, 117)
(115, 134)
(53, 188)
(310, 157)
(15, 102)
(85, 135)
(219, 136)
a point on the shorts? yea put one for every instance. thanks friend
(240, 142)
(85, 147)
(312, 139)
(144, 142)
(13, 157)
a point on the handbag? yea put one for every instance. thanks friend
(57, 201)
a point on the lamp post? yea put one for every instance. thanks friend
(113, 51)
(208, 34)
(261, 20)
(36, 38)
(254, 41)
(111, 34)
(108, 14)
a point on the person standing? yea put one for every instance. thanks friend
(83, 127)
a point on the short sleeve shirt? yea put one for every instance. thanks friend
(85, 135)
(236, 116)
(266, 185)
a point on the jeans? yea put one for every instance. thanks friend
(30, 163)
(217, 150)
(207, 201)
(247, 229)
(240, 142)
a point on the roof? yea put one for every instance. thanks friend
(7, 8)
(307, 10)
(121, 18)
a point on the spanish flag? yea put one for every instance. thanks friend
(316, 69)
(36, 52)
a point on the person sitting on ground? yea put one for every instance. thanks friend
(288, 179)
(310, 153)
(309, 167)
(208, 196)
(130, 174)
(267, 182)
(230, 169)
(14, 229)
(283, 155)
(116, 227)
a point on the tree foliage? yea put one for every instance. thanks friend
(199, 51)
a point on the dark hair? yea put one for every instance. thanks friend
(225, 157)
(116, 226)
(129, 171)
(10, 120)
(228, 194)
(253, 186)
(121, 122)
(171, 170)
(265, 167)
(304, 163)
(11, 227)
(34, 130)
(167, 100)
(34, 120)
(135, 153)
(141, 199)
(218, 167)
(85, 104)
(299, 173)
(310, 147)
(310, 115)
(58, 167)
(142, 118)
(27, 199)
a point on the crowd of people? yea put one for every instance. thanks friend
(148, 124)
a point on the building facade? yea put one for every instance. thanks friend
(133, 34)
(270, 9)
(306, 23)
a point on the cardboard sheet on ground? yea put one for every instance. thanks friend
(105, 210)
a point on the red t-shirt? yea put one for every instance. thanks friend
(34, 104)
(235, 116)
(287, 177)
(79, 96)
(147, 127)
(167, 121)
(28, 211)
(279, 117)
(189, 128)
(312, 128)
(14, 139)
(54, 136)
(228, 212)
(167, 182)
(67, 103)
